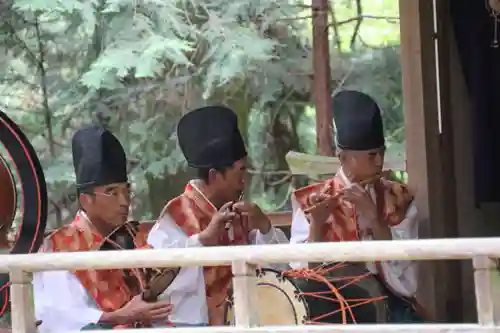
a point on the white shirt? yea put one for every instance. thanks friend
(400, 275)
(187, 292)
(62, 303)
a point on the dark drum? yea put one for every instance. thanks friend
(335, 294)
(341, 293)
(7, 195)
(151, 282)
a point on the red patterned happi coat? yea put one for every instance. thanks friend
(106, 287)
(192, 212)
(393, 200)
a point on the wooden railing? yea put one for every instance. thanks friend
(243, 260)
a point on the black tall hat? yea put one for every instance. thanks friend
(98, 158)
(358, 121)
(209, 137)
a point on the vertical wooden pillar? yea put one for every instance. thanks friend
(451, 269)
(22, 311)
(485, 305)
(322, 78)
(418, 62)
(244, 294)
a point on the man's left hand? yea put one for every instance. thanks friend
(256, 217)
(362, 200)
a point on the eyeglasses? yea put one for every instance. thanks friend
(126, 194)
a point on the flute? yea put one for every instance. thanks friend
(228, 224)
(331, 198)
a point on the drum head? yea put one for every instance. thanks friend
(278, 301)
(360, 290)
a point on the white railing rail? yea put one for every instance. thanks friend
(243, 260)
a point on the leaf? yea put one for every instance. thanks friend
(60, 172)
(157, 168)
(38, 5)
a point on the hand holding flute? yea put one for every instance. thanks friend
(232, 209)
(321, 205)
(211, 235)
(324, 201)
(256, 217)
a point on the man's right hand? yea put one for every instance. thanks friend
(322, 204)
(138, 310)
(211, 235)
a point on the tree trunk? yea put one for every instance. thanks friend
(322, 78)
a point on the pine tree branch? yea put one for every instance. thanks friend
(43, 85)
(359, 10)
(31, 56)
(389, 19)
(298, 18)
(335, 26)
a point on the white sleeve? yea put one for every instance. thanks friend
(408, 228)
(274, 236)
(299, 230)
(300, 225)
(62, 303)
(166, 234)
(402, 274)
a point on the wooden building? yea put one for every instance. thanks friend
(442, 151)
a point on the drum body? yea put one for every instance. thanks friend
(25, 166)
(279, 301)
(151, 282)
(335, 294)
(8, 196)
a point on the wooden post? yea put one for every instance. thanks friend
(482, 283)
(420, 98)
(244, 284)
(22, 311)
(322, 78)
(449, 225)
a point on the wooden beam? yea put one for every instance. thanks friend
(451, 271)
(418, 62)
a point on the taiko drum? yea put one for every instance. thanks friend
(7, 194)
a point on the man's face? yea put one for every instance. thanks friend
(109, 203)
(365, 164)
(231, 183)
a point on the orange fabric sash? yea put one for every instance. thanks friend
(106, 287)
(192, 212)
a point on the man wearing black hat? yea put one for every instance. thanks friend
(71, 301)
(359, 204)
(210, 213)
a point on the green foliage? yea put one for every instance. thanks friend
(379, 23)
(378, 73)
(399, 176)
(137, 66)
